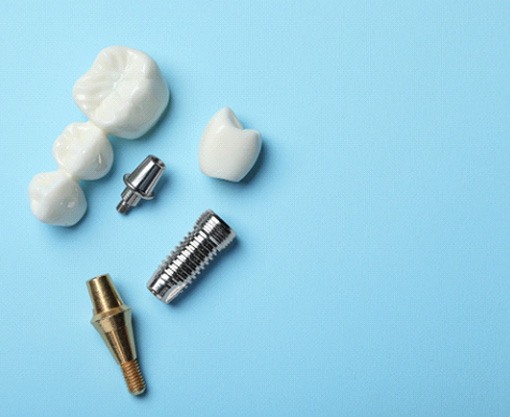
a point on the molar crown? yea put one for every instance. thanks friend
(123, 92)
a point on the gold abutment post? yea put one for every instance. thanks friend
(112, 319)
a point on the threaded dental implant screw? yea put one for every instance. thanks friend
(141, 183)
(209, 236)
(112, 320)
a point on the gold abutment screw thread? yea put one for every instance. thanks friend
(112, 319)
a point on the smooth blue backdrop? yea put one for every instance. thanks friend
(371, 273)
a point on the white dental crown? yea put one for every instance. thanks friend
(227, 151)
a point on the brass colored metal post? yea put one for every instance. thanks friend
(112, 319)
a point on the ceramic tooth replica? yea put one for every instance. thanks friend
(84, 151)
(56, 198)
(123, 92)
(227, 151)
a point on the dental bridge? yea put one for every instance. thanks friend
(122, 94)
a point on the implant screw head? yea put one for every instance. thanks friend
(112, 320)
(141, 183)
(209, 236)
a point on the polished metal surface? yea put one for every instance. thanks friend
(209, 236)
(112, 319)
(140, 183)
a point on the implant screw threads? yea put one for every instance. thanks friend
(141, 183)
(112, 319)
(209, 236)
(133, 376)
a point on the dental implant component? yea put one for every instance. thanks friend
(227, 151)
(141, 183)
(122, 94)
(84, 151)
(112, 319)
(209, 237)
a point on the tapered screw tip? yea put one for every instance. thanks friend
(123, 207)
(133, 376)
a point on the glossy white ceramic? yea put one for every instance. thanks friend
(227, 151)
(123, 92)
(57, 199)
(84, 151)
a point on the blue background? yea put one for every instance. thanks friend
(371, 273)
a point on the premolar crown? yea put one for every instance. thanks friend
(227, 151)
(84, 151)
(56, 198)
(123, 94)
